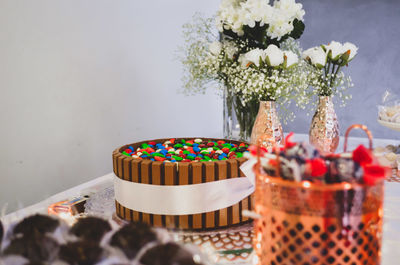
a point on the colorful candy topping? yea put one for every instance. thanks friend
(191, 150)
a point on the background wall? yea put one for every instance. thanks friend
(79, 78)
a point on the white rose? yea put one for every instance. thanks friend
(350, 47)
(336, 48)
(252, 56)
(274, 55)
(215, 47)
(291, 58)
(316, 55)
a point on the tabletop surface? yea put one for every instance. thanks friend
(222, 241)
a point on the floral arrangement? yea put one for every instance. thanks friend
(254, 56)
(327, 61)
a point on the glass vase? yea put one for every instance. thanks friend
(324, 130)
(238, 117)
(267, 129)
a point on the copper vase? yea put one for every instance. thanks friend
(324, 131)
(267, 129)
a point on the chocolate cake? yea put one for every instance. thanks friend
(134, 168)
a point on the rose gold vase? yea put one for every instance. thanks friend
(324, 131)
(267, 129)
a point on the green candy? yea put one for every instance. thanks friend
(177, 158)
(233, 149)
(125, 153)
(144, 146)
(190, 157)
(158, 154)
(178, 146)
(186, 152)
(146, 153)
(238, 154)
(206, 158)
(171, 152)
(224, 158)
(215, 148)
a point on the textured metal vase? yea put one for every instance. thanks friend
(324, 131)
(267, 129)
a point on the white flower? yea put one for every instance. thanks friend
(316, 55)
(274, 55)
(230, 49)
(291, 58)
(336, 48)
(252, 56)
(234, 14)
(350, 47)
(215, 47)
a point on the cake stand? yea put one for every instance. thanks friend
(390, 125)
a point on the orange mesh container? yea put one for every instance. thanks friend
(305, 223)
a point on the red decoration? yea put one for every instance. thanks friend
(253, 150)
(289, 144)
(372, 173)
(317, 167)
(362, 155)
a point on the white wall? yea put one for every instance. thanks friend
(80, 78)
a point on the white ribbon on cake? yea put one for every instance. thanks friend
(185, 199)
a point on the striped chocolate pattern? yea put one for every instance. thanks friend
(182, 173)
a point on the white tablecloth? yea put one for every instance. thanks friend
(391, 235)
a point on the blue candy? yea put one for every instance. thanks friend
(143, 156)
(164, 151)
(130, 147)
(152, 159)
(196, 149)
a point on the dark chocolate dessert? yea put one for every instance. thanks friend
(36, 224)
(168, 254)
(132, 237)
(36, 248)
(81, 253)
(90, 228)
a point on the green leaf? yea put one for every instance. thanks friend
(298, 29)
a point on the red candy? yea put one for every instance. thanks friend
(159, 158)
(225, 150)
(150, 150)
(172, 141)
(222, 142)
(210, 144)
(152, 143)
(128, 151)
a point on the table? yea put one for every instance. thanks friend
(391, 235)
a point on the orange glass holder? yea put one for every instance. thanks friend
(312, 223)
